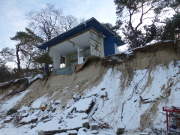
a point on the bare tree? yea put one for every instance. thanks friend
(50, 22)
(6, 54)
(68, 22)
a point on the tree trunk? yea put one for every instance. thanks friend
(18, 58)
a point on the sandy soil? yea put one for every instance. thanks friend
(63, 87)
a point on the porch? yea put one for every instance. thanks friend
(75, 51)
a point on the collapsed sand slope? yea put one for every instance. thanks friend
(63, 87)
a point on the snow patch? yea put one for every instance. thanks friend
(40, 101)
(32, 79)
(123, 48)
(10, 103)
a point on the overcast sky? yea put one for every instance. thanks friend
(13, 13)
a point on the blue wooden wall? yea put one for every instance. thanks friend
(109, 46)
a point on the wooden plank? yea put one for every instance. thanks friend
(52, 132)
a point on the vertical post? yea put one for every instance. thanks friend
(78, 54)
(115, 48)
(167, 118)
(57, 61)
(80, 57)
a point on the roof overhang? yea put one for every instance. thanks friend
(91, 24)
(72, 44)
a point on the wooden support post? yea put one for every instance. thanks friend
(78, 54)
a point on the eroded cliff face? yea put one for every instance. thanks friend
(124, 91)
(136, 103)
(149, 80)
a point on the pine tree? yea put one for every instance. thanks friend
(138, 34)
(26, 47)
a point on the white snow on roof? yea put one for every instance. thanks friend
(123, 48)
(153, 42)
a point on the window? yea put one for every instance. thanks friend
(62, 62)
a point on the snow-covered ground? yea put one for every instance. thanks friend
(134, 105)
(10, 103)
